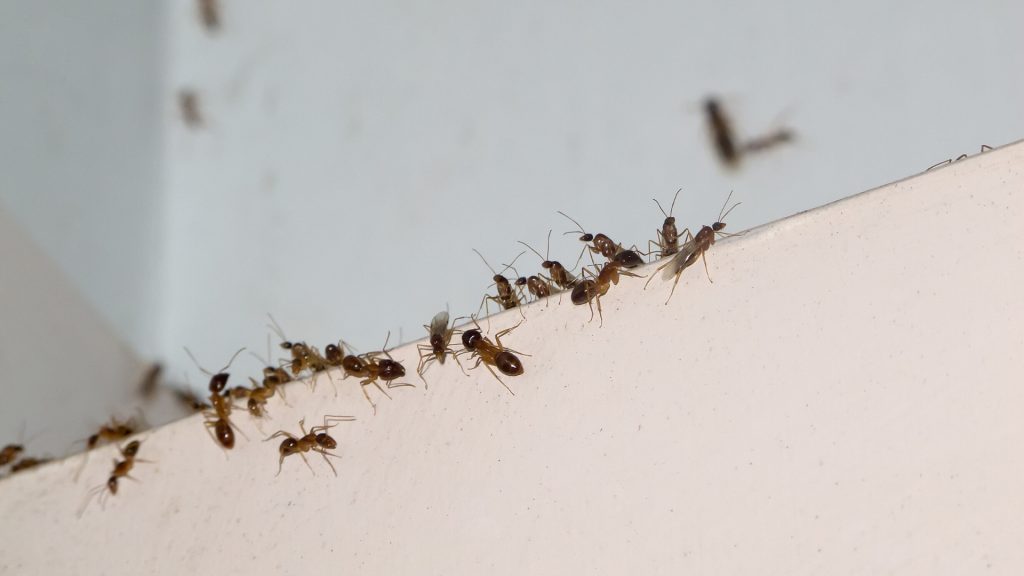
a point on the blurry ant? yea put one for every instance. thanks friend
(113, 431)
(317, 440)
(560, 277)
(121, 470)
(668, 237)
(189, 400)
(218, 416)
(151, 380)
(590, 290)
(27, 463)
(209, 14)
(507, 297)
(10, 453)
(694, 248)
(188, 103)
(303, 356)
(984, 148)
(602, 244)
(371, 369)
(727, 147)
(489, 354)
(438, 347)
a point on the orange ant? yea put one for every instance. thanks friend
(303, 356)
(602, 244)
(507, 297)
(218, 416)
(121, 470)
(593, 289)
(694, 248)
(668, 237)
(489, 354)
(371, 369)
(317, 440)
(984, 148)
(438, 348)
(560, 277)
(113, 431)
(209, 14)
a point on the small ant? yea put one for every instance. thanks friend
(317, 440)
(188, 103)
(113, 431)
(218, 416)
(668, 237)
(602, 244)
(209, 14)
(593, 289)
(303, 356)
(694, 248)
(507, 297)
(121, 470)
(984, 148)
(28, 462)
(10, 453)
(489, 354)
(371, 369)
(560, 277)
(151, 380)
(438, 347)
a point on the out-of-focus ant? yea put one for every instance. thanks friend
(507, 297)
(151, 380)
(694, 248)
(984, 148)
(438, 348)
(114, 431)
(729, 149)
(27, 463)
(317, 440)
(188, 103)
(209, 14)
(492, 355)
(121, 469)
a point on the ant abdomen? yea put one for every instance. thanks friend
(508, 363)
(225, 435)
(583, 292)
(628, 259)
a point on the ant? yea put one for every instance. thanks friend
(188, 103)
(121, 470)
(605, 246)
(372, 369)
(726, 145)
(218, 416)
(668, 237)
(439, 346)
(694, 248)
(984, 148)
(593, 289)
(489, 354)
(317, 440)
(507, 297)
(113, 431)
(209, 14)
(28, 462)
(303, 356)
(560, 277)
(151, 380)
(10, 453)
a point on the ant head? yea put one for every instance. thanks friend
(132, 449)
(288, 446)
(111, 485)
(219, 381)
(389, 369)
(521, 281)
(670, 221)
(711, 105)
(91, 443)
(588, 237)
(547, 264)
(333, 353)
(470, 338)
(717, 226)
(325, 441)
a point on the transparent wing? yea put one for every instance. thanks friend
(681, 260)
(440, 323)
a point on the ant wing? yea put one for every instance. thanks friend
(681, 260)
(439, 323)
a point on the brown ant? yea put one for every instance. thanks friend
(602, 244)
(984, 148)
(317, 440)
(209, 14)
(218, 416)
(694, 248)
(113, 431)
(489, 354)
(724, 137)
(438, 347)
(188, 103)
(372, 369)
(10, 453)
(668, 237)
(28, 462)
(304, 356)
(560, 277)
(151, 380)
(121, 469)
(590, 290)
(507, 297)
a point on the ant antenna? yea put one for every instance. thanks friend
(722, 214)
(207, 372)
(672, 208)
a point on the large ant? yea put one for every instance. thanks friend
(984, 148)
(218, 417)
(371, 369)
(489, 354)
(438, 347)
(668, 237)
(121, 469)
(317, 440)
(304, 356)
(694, 248)
(560, 277)
(602, 244)
(507, 297)
(589, 289)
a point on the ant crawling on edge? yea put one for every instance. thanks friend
(218, 417)
(490, 354)
(121, 469)
(371, 369)
(438, 347)
(316, 440)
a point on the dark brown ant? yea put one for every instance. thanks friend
(693, 249)
(317, 440)
(218, 416)
(593, 289)
(304, 356)
(489, 354)
(10, 453)
(438, 348)
(121, 469)
(188, 103)
(507, 297)
(371, 370)
(560, 277)
(209, 14)
(151, 380)
(984, 148)
(721, 132)
(668, 237)
(605, 246)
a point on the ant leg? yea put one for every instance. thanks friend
(960, 157)
(706, 266)
(488, 366)
(307, 463)
(679, 274)
(497, 337)
(986, 148)
(363, 386)
(943, 163)
(456, 357)
(280, 463)
(278, 433)
(324, 454)
(659, 269)
(599, 313)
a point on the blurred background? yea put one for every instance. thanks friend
(170, 176)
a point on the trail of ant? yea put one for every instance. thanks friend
(122, 469)
(371, 369)
(489, 354)
(316, 440)
(438, 346)
(947, 162)
(507, 297)
(218, 417)
(694, 248)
